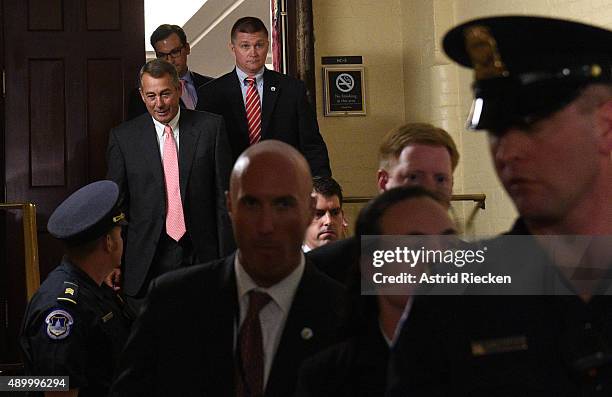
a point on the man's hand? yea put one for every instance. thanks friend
(113, 279)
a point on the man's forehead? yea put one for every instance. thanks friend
(155, 84)
(248, 37)
(421, 150)
(323, 201)
(418, 156)
(169, 42)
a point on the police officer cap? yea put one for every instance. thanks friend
(87, 214)
(526, 68)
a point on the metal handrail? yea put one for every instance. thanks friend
(30, 243)
(479, 198)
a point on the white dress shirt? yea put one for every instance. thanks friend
(273, 315)
(159, 129)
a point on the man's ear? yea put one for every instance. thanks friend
(109, 244)
(187, 49)
(382, 177)
(142, 95)
(604, 128)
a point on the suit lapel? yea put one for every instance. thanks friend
(222, 340)
(188, 139)
(150, 149)
(270, 93)
(299, 336)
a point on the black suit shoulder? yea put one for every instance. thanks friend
(284, 79)
(200, 115)
(141, 121)
(186, 283)
(354, 367)
(338, 260)
(220, 83)
(199, 79)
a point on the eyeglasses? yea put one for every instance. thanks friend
(172, 54)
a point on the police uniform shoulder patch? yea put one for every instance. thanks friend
(59, 324)
(69, 292)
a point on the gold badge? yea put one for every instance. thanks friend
(499, 345)
(118, 217)
(482, 49)
(69, 291)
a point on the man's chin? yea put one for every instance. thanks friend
(327, 237)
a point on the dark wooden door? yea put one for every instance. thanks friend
(68, 64)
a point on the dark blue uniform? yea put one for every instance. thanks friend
(73, 327)
(540, 346)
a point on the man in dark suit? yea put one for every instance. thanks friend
(175, 206)
(241, 325)
(358, 366)
(170, 43)
(259, 104)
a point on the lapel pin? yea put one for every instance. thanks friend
(272, 89)
(306, 333)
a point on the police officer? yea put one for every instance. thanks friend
(543, 91)
(75, 325)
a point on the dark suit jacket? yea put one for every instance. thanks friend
(356, 367)
(339, 260)
(136, 106)
(183, 342)
(134, 163)
(286, 115)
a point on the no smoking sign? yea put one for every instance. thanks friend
(344, 91)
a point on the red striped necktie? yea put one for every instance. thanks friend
(253, 111)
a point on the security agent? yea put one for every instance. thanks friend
(543, 90)
(75, 325)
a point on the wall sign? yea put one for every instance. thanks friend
(344, 91)
(342, 60)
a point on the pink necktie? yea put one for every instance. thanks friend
(185, 96)
(175, 222)
(253, 111)
(250, 348)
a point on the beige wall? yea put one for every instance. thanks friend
(409, 79)
(370, 28)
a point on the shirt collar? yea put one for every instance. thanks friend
(173, 123)
(282, 293)
(242, 75)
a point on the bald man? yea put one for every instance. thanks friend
(241, 326)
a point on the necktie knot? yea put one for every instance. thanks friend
(250, 80)
(188, 100)
(167, 131)
(257, 301)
